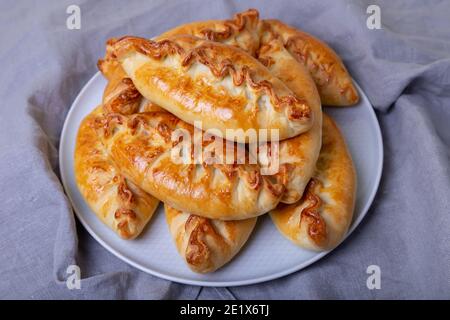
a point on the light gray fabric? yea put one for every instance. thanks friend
(404, 68)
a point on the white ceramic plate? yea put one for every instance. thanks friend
(267, 255)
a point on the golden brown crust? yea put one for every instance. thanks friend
(120, 204)
(241, 31)
(320, 220)
(310, 214)
(188, 76)
(109, 66)
(206, 244)
(193, 69)
(329, 73)
(141, 147)
(121, 97)
(120, 94)
(299, 153)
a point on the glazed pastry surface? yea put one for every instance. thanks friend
(117, 201)
(321, 218)
(207, 244)
(220, 85)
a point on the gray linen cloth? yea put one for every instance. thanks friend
(404, 68)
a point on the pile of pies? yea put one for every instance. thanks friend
(191, 87)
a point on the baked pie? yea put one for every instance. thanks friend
(321, 218)
(207, 244)
(242, 73)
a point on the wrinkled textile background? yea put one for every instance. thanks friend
(404, 68)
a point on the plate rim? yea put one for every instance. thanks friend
(273, 276)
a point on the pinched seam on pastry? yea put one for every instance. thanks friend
(241, 31)
(323, 73)
(207, 244)
(322, 62)
(271, 42)
(116, 201)
(164, 129)
(296, 44)
(124, 99)
(298, 110)
(198, 254)
(310, 215)
(304, 149)
(241, 191)
(250, 174)
(300, 153)
(120, 94)
(125, 217)
(321, 218)
(234, 26)
(305, 159)
(285, 169)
